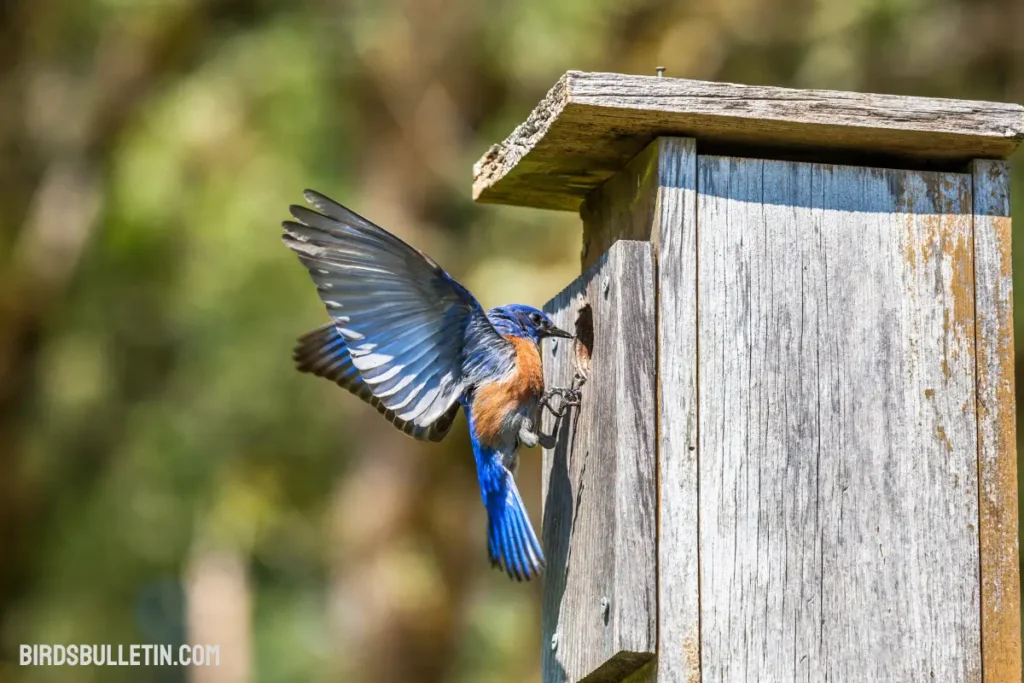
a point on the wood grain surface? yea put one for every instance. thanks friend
(599, 520)
(591, 124)
(654, 198)
(838, 433)
(997, 432)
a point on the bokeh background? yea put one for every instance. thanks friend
(165, 475)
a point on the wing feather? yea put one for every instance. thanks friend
(322, 352)
(414, 339)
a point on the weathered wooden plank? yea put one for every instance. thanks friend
(590, 124)
(599, 520)
(838, 439)
(997, 433)
(654, 198)
(675, 236)
(623, 207)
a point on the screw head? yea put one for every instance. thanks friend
(605, 607)
(554, 642)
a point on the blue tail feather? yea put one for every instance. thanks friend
(510, 556)
(525, 540)
(511, 541)
(519, 555)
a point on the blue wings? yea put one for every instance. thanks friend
(416, 337)
(322, 352)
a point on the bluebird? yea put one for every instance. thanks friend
(416, 345)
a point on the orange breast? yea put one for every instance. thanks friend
(494, 401)
(528, 381)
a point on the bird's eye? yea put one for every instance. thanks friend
(535, 318)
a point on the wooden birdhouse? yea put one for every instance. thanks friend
(795, 456)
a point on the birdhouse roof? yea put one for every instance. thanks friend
(590, 125)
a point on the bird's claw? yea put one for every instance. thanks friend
(569, 397)
(561, 410)
(572, 397)
(561, 392)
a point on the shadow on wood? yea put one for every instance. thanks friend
(599, 505)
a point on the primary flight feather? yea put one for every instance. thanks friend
(415, 344)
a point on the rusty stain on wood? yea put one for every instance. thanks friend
(997, 444)
(959, 250)
(691, 655)
(940, 434)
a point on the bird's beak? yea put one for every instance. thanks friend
(558, 332)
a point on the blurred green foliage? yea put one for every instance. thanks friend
(156, 443)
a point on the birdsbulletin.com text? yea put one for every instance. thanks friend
(119, 655)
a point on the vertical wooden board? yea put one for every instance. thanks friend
(838, 441)
(997, 434)
(600, 610)
(654, 198)
(675, 234)
(623, 207)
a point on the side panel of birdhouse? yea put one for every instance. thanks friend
(838, 435)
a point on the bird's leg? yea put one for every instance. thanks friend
(530, 435)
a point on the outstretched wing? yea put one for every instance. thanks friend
(416, 336)
(323, 353)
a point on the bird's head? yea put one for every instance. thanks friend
(517, 320)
